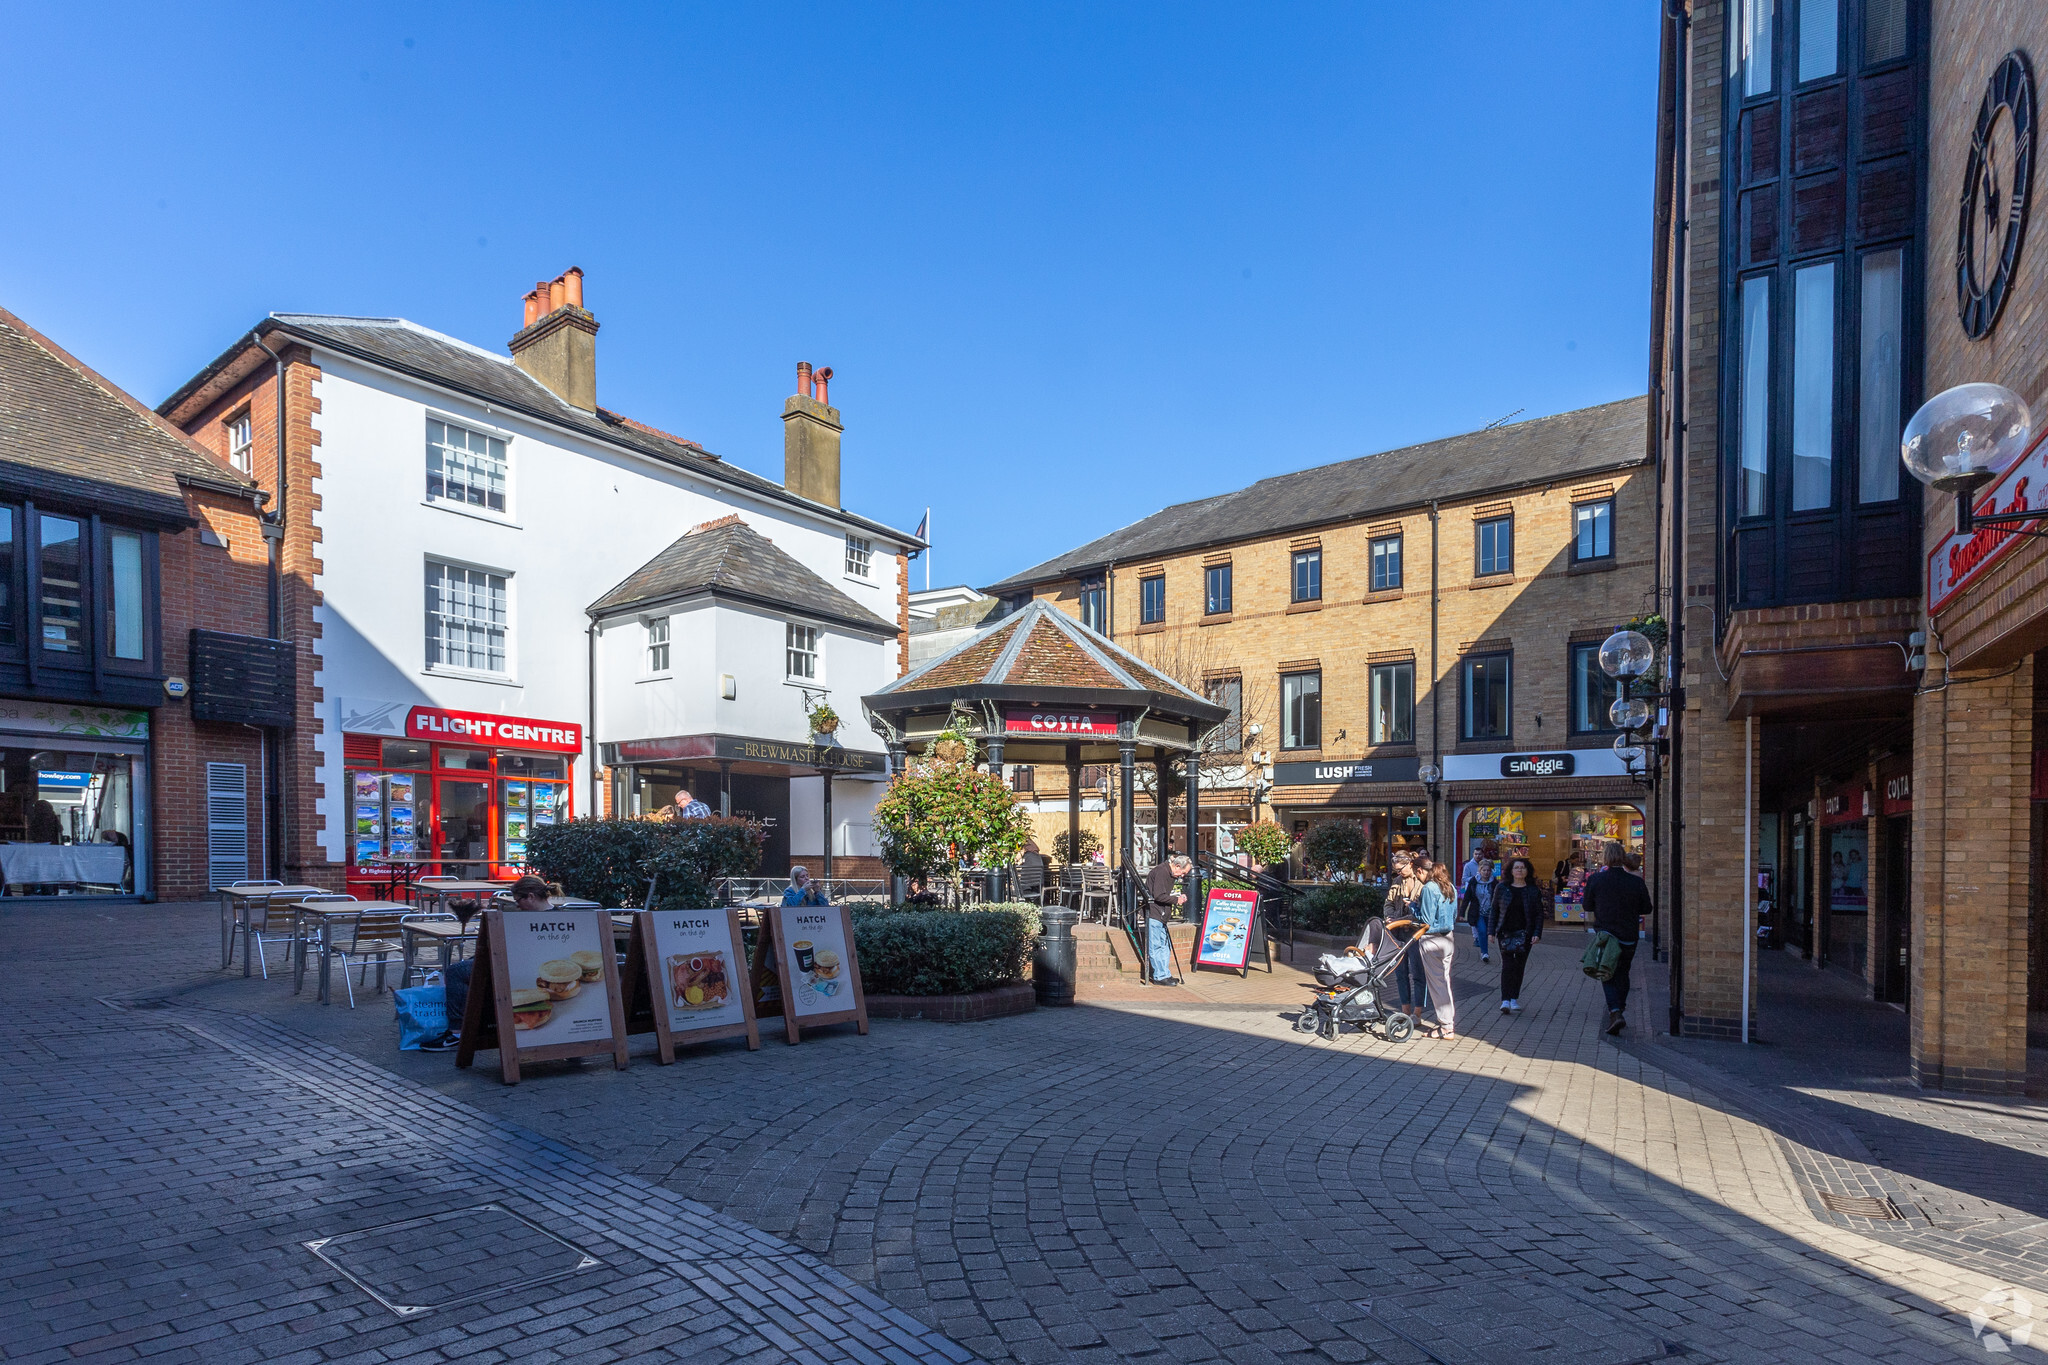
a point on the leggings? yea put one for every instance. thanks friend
(1512, 964)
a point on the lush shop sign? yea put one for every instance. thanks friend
(1957, 560)
(1345, 774)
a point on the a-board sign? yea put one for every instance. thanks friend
(814, 961)
(686, 979)
(548, 981)
(1227, 919)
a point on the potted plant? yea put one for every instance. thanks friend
(824, 720)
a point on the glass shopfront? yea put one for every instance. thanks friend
(1565, 843)
(1388, 830)
(74, 799)
(470, 806)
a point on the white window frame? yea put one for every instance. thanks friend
(816, 653)
(657, 649)
(462, 506)
(242, 442)
(510, 674)
(860, 558)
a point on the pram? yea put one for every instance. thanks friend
(1350, 986)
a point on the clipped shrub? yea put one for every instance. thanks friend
(913, 951)
(938, 817)
(1341, 908)
(1336, 847)
(1265, 842)
(610, 861)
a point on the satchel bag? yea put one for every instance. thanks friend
(1601, 957)
(1513, 943)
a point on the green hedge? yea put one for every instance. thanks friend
(1340, 908)
(610, 861)
(909, 951)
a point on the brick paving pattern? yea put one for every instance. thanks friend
(1167, 1178)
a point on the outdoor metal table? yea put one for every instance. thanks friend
(322, 916)
(235, 904)
(407, 868)
(446, 935)
(438, 892)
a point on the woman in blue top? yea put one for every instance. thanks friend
(1437, 909)
(800, 891)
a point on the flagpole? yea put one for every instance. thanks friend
(927, 549)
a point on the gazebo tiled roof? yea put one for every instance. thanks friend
(1040, 647)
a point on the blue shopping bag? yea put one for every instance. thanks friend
(422, 1015)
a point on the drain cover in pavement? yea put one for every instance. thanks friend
(453, 1258)
(1507, 1320)
(1861, 1205)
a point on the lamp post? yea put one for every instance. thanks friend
(1627, 656)
(1963, 438)
(1431, 775)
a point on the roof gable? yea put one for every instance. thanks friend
(728, 558)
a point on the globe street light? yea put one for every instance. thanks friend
(1627, 655)
(1629, 713)
(1963, 438)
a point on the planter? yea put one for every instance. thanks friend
(1016, 998)
(949, 751)
(824, 727)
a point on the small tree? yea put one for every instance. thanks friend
(938, 817)
(1265, 841)
(1335, 848)
(1090, 845)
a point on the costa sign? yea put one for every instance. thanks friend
(510, 732)
(1957, 560)
(1051, 722)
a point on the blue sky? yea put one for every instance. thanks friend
(1069, 263)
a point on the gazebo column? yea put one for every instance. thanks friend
(1127, 769)
(1162, 806)
(999, 877)
(1194, 800)
(897, 887)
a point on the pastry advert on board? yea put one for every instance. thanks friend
(814, 958)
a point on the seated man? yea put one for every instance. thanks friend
(528, 893)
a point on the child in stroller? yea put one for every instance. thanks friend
(1350, 986)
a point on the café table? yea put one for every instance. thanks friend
(405, 869)
(438, 892)
(445, 935)
(236, 903)
(322, 918)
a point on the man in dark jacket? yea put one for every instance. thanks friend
(1163, 894)
(1616, 901)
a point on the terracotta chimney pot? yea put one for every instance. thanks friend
(532, 301)
(803, 378)
(824, 377)
(572, 278)
(558, 293)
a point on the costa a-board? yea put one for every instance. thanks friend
(547, 983)
(687, 979)
(811, 949)
(1228, 918)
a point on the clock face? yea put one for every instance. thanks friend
(1997, 186)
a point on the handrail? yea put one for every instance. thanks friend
(1276, 897)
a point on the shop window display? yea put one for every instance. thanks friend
(474, 807)
(1565, 845)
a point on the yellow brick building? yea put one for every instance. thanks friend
(1438, 605)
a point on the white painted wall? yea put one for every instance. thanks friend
(580, 517)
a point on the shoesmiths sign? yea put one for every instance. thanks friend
(1957, 560)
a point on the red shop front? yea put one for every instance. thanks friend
(460, 786)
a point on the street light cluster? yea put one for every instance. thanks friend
(1626, 656)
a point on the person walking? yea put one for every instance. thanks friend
(1616, 901)
(1482, 873)
(1517, 927)
(1162, 890)
(1399, 914)
(1437, 910)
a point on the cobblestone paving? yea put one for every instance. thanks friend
(1138, 1182)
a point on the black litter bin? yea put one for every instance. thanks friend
(1052, 958)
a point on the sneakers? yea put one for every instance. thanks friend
(1507, 1007)
(1514, 1006)
(1615, 1021)
(447, 1042)
(1484, 958)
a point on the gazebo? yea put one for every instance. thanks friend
(1040, 687)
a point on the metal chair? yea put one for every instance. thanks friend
(450, 948)
(300, 926)
(375, 936)
(228, 921)
(1097, 885)
(1030, 884)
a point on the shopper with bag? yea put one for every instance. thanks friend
(1518, 914)
(1616, 901)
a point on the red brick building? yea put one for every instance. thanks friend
(139, 681)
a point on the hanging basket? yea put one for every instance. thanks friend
(825, 725)
(949, 750)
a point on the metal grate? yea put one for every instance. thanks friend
(227, 823)
(1860, 1205)
(448, 1259)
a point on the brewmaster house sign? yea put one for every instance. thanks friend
(1998, 186)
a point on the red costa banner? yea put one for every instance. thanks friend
(507, 732)
(1051, 722)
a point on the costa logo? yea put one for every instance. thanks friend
(1059, 723)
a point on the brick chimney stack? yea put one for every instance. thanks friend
(557, 344)
(810, 439)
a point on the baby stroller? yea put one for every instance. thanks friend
(1350, 986)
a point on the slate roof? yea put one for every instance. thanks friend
(1459, 468)
(730, 559)
(69, 436)
(1038, 647)
(410, 349)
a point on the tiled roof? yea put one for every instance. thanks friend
(70, 436)
(1040, 647)
(407, 347)
(1543, 449)
(728, 558)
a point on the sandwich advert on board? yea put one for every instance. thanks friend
(554, 968)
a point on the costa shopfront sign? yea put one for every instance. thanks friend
(1036, 721)
(504, 732)
(1957, 560)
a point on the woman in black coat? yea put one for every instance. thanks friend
(1518, 914)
